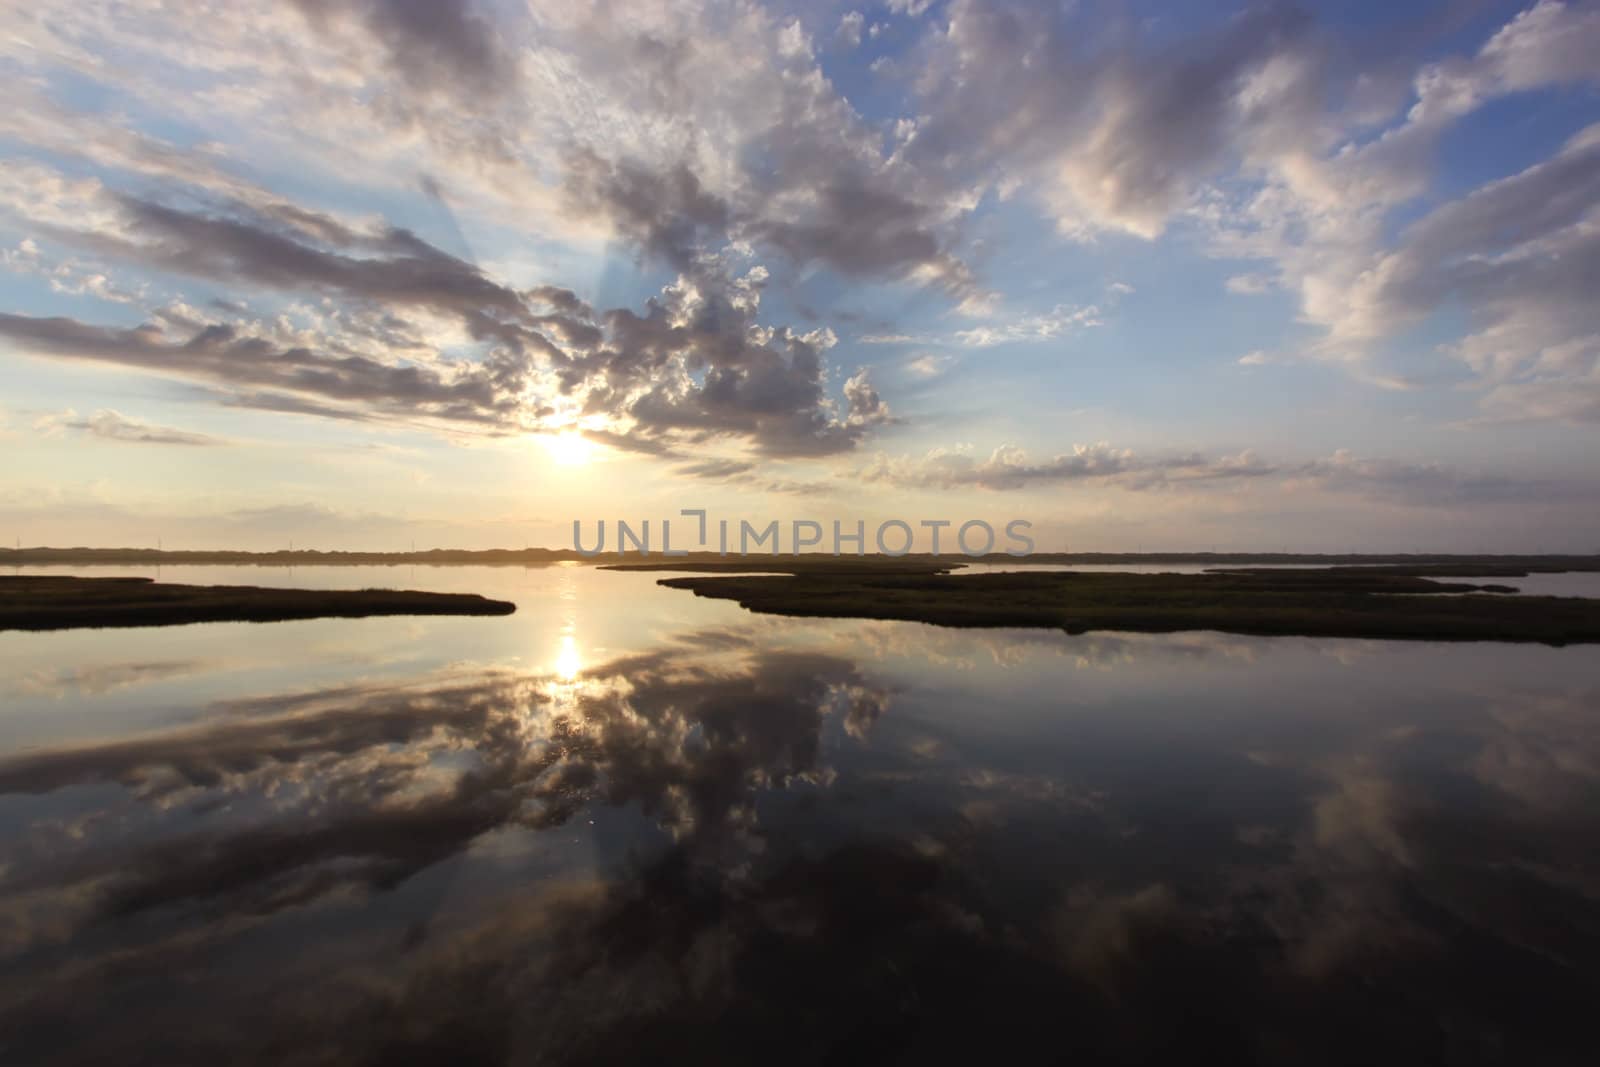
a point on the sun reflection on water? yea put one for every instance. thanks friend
(569, 660)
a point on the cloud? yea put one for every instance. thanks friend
(685, 128)
(112, 426)
(695, 366)
(431, 44)
(1049, 326)
(472, 394)
(848, 35)
(690, 126)
(1248, 284)
(1512, 252)
(666, 214)
(727, 130)
(715, 468)
(1521, 254)
(1002, 329)
(866, 407)
(749, 475)
(928, 364)
(390, 266)
(98, 678)
(696, 133)
(1010, 468)
(1103, 130)
(1549, 43)
(1422, 484)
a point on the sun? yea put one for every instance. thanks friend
(569, 448)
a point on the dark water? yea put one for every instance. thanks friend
(630, 825)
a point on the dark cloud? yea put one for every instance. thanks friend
(855, 222)
(794, 170)
(482, 394)
(564, 301)
(396, 266)
(695, 366)
(666, 214)
(860, 225)
(429, 44)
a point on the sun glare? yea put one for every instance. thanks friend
(569, 661)
(568, 448)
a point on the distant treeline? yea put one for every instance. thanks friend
(528, 557)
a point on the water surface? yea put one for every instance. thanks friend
(627, 823)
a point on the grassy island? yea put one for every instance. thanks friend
(1362, 603)
(61, 602)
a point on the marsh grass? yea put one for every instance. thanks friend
(62, 602)
(1310, 603)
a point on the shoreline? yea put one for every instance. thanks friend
(1482, 564)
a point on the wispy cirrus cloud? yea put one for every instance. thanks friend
(1003, 329)
(1011, 468)
(109, 425)
(1102, 465)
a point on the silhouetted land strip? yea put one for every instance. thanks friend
(807, 564)
(1420, 570)
(1312, 603)
(536, 557)
(59, 602)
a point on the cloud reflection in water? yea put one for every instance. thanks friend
(783, 837)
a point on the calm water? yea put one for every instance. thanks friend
(627, 824)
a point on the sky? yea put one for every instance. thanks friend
(1149, 276)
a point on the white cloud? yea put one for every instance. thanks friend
(928, 364)
(1049, 326)
(110, 425)
(848, 35)
(1249, 284)
(1512, 251)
